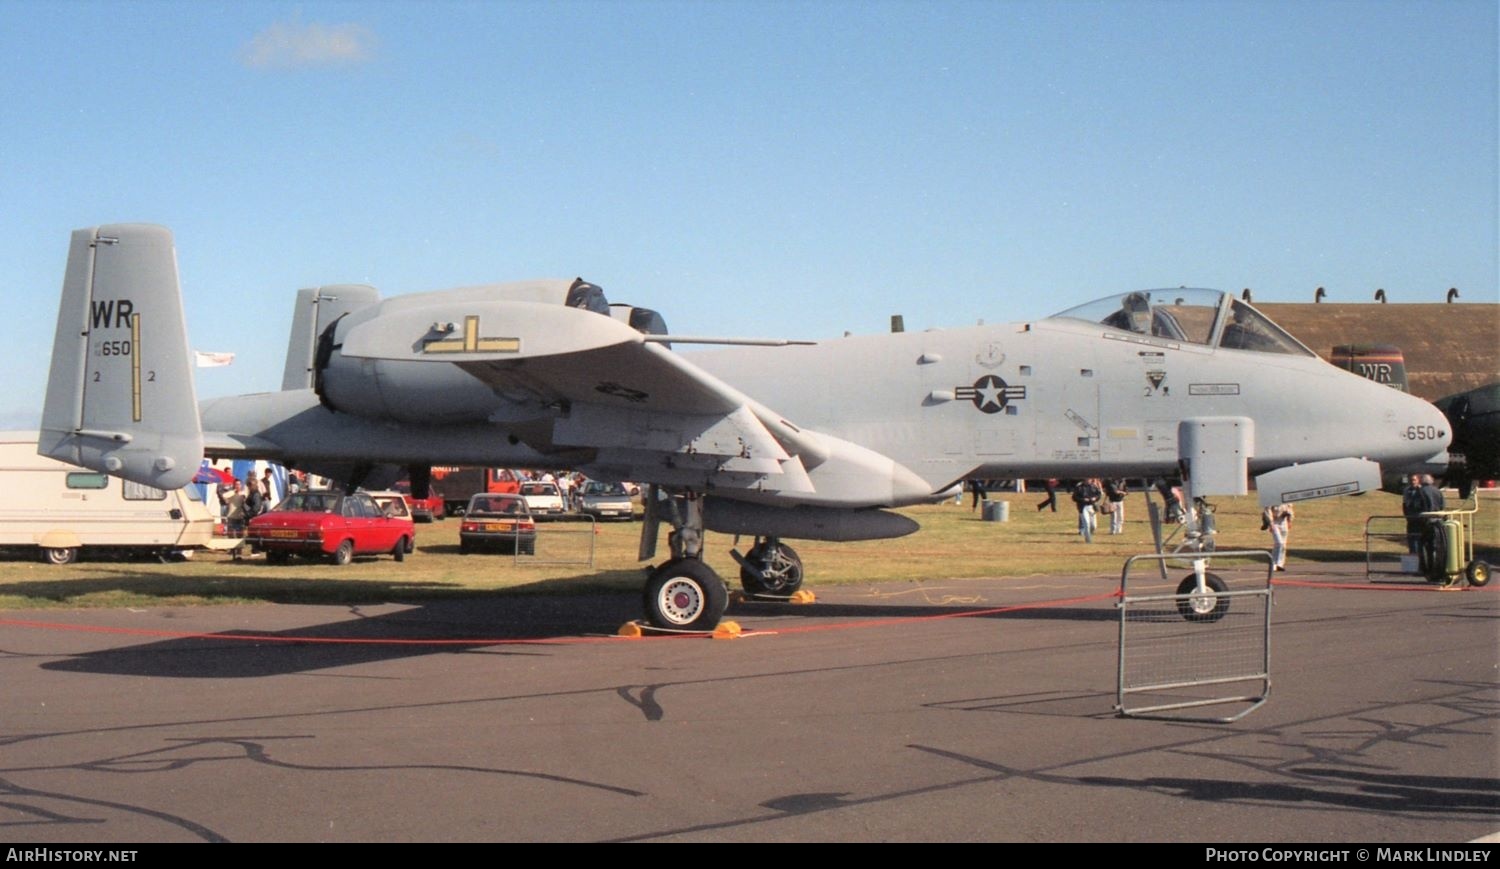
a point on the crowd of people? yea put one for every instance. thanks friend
(241, 500)
(1094, 496)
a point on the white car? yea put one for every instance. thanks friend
(606, 501)
(544, 500)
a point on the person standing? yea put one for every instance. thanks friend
(234, 510)
(1114, 504)
(1277, 518)
(1171, 500)
(1051, 501)
(980, 491)
(223, 490)
(1413, 503)
(1086, 495)
(255, 499)
(1432, 496)
(268, 491)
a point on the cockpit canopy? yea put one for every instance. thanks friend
(1209, 318)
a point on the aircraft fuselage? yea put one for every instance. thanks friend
(1048, 398)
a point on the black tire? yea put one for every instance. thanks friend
(685, 594)
(403, 546)
(344, 554)
(278, 556)
(60, 554)
(1432, 552)
(1208, 607)
(464, 548)
(783, 575)
(1478, 573)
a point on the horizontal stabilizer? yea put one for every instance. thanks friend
(120, 395)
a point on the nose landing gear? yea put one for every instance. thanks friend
(770, 569)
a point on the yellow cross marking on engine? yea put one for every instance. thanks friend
(471, 342)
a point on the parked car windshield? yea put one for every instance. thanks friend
(493, 505)
(309, 502)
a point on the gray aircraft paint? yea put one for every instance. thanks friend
(508, 375)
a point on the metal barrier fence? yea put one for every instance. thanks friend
(1386, 548)
(1443, 551)
(1183, 649)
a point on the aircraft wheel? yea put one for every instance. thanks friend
(60, 554)
(403, 546)
(1432, 552)
(783, 570)
(1479, 573)
(1209, 606)
(344, 554)
(685, 594)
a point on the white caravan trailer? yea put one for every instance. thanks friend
(63, 509)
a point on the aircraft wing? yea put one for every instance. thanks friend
(573, 379)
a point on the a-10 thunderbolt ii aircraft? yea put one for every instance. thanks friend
(779, 442)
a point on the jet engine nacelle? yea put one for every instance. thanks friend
(404, 391)
(404, 358)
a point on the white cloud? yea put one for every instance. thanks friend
(290, 45)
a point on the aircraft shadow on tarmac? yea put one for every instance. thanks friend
(1341, 789)
(510, 625)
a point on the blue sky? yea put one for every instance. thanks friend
(746, 168)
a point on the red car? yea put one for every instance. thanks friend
(423, 509)
(329, 524)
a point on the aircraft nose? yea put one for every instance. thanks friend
(1424, 434)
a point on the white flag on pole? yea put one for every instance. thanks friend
(204, 359)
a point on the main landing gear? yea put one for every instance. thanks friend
(683, 593)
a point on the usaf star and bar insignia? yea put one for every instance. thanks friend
(990, 394)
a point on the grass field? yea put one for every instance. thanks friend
(953, 544)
